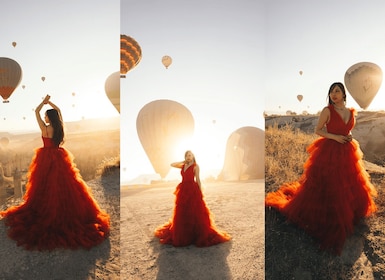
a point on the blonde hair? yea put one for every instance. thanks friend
(185, 155)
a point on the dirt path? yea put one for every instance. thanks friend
(101, 262)
(238, 209)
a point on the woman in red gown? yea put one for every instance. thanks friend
(334, 192)
(58, 210)
(192, 222)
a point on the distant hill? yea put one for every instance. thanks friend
(369, 130)
(89, 125)
(83, 126)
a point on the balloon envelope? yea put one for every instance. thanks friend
(166, 60)
(299, 97)
(244, 158)
(363, 80)
(10, 77)
(43, 79)
(112, 89)
(130, 53)
(162, 125)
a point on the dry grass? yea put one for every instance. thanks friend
(285, 154)
(291, 253)
(89, 149)
(94, 153)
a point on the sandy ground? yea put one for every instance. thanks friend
(239, 210)
(101, 262)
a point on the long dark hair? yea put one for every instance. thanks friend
(341, 86)
(57, 125)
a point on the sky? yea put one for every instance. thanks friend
(232, 61)
(217, 49)
(322, 39)
(73, 44)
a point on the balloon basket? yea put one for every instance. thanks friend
(5, 101)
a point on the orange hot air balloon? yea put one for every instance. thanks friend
(244, 155)
(130, 54)
(363, 80)
(10, 77)
(299, 97)
(112, 89)
(301, 72)
(166, 60)
(162, 125)
(14, 44)
(43, 78)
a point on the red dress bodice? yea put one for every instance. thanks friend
(337, 125)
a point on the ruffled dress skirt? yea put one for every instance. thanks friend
(192, 222)
(58, 209)
(331, 196)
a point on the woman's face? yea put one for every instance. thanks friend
(46, 119)
(336, 95)
(189, 157)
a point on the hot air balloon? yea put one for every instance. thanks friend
(43, 78)
(162, 125)
(244, 158)
(301, 72)
(299, 97)
(14, 44)
(166, 60)
(10, 77)
(112, 89)
(363, 80)
(130, 54)
(23, 86)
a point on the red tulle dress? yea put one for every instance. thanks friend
(192, 222)
(333, 193)
(58, 210)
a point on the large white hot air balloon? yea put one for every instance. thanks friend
(363, 80)
(162, 125)
(112, 89)
(244, 158)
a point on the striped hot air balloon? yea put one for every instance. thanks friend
(130, 54)
(10, 77)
